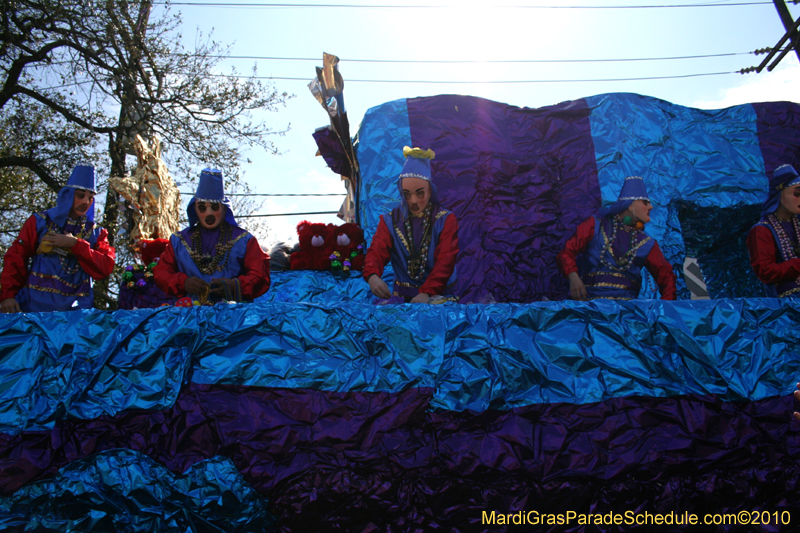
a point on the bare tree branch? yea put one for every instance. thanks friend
(44, 175)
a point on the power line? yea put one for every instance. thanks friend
(377, 6)
(457, 82)
(478, 82)
(450, 61)
(470, 61)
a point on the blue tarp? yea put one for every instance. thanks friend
(89, 364)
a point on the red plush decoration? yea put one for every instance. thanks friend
(316, 246)
(186, 301)
(151, 249)
(346, 239)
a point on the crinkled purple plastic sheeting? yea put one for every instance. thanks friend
(778, 135)
(386, 461)
(421, 416)
(519, 180)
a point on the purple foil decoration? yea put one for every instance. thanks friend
(518, 180)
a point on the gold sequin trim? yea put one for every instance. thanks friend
(638, 245)
(409, 285)
(612, 285)
(615, 274)
(402, 238)
(789, 292)
(443, 299)
(56, 291)
(51, 276)
(442, 213)
(641, 243)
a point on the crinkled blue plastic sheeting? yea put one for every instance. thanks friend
(383, 133)
(88, 364)
(717, 238)
(711, 159)
(122, 490)
(294, 286)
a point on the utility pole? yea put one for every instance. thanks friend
(792, 35)
(789, 25)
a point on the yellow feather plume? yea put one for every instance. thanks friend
(419, 153)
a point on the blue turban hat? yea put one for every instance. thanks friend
(210, 188)
(82, 177)
(632, 189)
(783, 177)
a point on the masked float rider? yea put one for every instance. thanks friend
(774, 243)
(419, 237)
(67, 251)
(213, 258)
(613, 249)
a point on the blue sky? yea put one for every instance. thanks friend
(475, 31)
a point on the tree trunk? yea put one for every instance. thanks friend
(117, 152)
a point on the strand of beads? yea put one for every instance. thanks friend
(82, 234)
(65, 261)
(418, 255)
(210, 264)
(789, 249)
(623, 262)
(796, 222)
(64, 257)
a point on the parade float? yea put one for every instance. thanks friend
(314, 409)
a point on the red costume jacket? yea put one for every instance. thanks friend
(98, 262)
(765, 258)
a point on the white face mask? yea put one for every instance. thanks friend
(210, 214)
(82, 201)
(416, 193)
